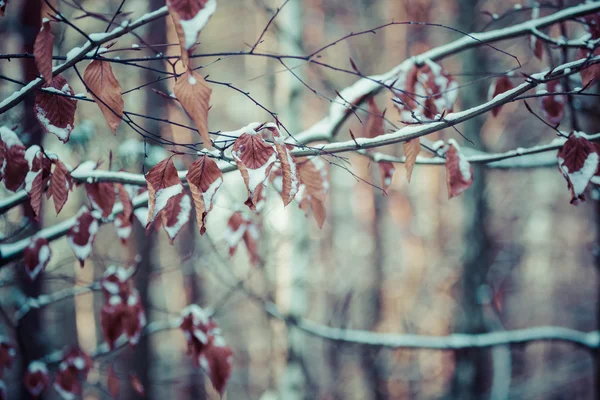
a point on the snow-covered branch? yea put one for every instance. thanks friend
(103, 349)
(46, 299)
(78, 53)
(414, 131)
(364, 88)
(453, 341)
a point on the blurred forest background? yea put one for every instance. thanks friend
(509, 253)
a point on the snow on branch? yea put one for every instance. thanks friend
(414, 131)
(79, 53)
(455, 341)
(368, 86)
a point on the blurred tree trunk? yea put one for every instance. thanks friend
(470, 377)
(141, 361)
(373, 299)
(294, 385)
(30, 329)
(187, 240)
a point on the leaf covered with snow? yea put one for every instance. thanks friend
(553, 106)
(459, 173)
(290, 181)
(254, 158)
(102, 196)
(424, 92)
(82, 234)
(190, 17)
(578, 160)
(36, 378)
(241, 227)
(205, 179)
(13, 165)
(167, 199)
(499, 86)
(206, 345)
(54, 110)
(36, 256)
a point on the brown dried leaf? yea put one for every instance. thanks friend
(193, 93)
(42, 51)
(104, 87)
(60, 184)
(412, 148)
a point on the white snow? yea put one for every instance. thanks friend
(182, 218)
(192, 27)
(43, 258)
(209, 195)
(162, 197)
(192, 80)
(61, 133)
(83, 252)
(9, 137)
(580, 179)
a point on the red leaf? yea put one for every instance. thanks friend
(136, 384)
(82, 234)
(427, 80)
(592, 72)
(553, 107)
(42, 51)
(124, 220)
(74, 366)
(374, 124)
(104, 87)
(537, 46)
(240, 227)
(55, 111)
(290, 182)
(36, 179)
(254, 158)
(13, 167)
(7, 355)
(36, 256)
(102, 196)
(36, 378)
(217, 362)
(500, 85)
(578, 160)
(164, 188)
(205, 178)
(60, 184)
(112, 382)
(387, 170)
(176, 214)
(122, 313)
(198, 329)
(459, 173)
